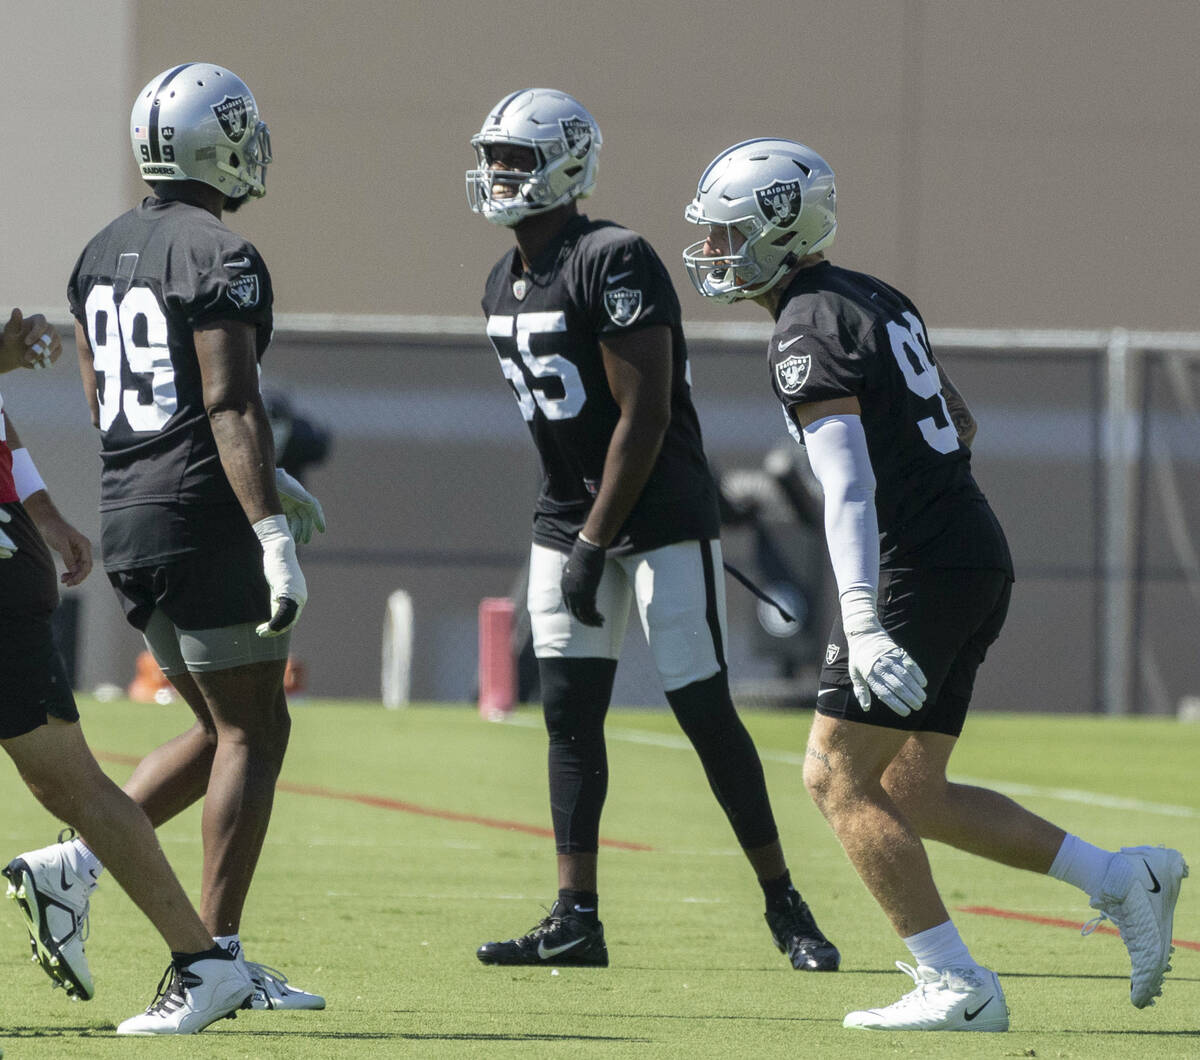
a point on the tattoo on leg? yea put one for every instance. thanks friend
(812, 752)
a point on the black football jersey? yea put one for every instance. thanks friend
(594, 280)
(840, 333)
(140, 288)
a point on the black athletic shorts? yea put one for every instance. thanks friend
(33, 679)
(198, 590)
(946, 619)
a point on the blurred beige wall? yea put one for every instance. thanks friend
(1008, 164)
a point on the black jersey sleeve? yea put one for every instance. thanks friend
(222, 279)
(626, 285)
(808, 367)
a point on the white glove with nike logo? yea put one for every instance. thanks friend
(302, 509)
(877, 663)
(7, 545)
(284, 577)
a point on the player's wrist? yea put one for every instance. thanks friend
(272, 530)
(860, 612)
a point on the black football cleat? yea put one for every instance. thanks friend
(796, 933)
(560, 939)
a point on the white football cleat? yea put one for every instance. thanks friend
(192, 996)
(272, 991)
(54, 903)
(1139, 893)
(956, 999)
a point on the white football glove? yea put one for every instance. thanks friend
(302, 509)
(877, 663)
(284, 577)
(7, 545)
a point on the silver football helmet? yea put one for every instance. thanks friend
(777, 202)
(565, 142)
(198, 121)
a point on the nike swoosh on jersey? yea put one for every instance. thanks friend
(790, 342)
(237, 263)
(546, 952)
(619, 276)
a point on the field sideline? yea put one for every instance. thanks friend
(401, 840)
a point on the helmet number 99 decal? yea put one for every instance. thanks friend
(910, 347)
(529, 374)
(133, 366)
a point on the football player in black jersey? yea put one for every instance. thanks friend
(586, 325)
(173, 315)
(924, 577)
(40, 731)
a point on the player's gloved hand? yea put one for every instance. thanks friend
(7, 545)
(877, 663)
(302, 510)
(581, 579)
(284, 577)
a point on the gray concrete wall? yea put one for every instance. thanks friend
(1008, 164)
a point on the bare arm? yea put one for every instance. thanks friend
(638, 367)
(74, 547)
(960, 415)
(229, 379)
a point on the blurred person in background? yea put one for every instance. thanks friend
(924, 578)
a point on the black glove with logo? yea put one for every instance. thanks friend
(580, 580)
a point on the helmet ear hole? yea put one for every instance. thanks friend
(783, 240)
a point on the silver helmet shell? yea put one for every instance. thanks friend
(777, 201)
(565, 140)
(198, 121)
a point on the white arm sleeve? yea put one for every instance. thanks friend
(837, 451)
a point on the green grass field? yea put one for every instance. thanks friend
(388, 863)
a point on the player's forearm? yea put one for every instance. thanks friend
(632, 453)
(243, 437)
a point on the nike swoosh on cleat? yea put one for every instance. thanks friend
(1157, 886)
(62, 871)
(546, 952)
(968, 1015)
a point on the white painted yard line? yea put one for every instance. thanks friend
(791, 758)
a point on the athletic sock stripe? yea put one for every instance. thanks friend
(711, 613)
(155, 153)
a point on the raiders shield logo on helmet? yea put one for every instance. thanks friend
(780, 201)
(623, 305)
(243, 292)
(231, 113)
(578, 134)
(792, 372)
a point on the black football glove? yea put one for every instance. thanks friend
(581, 579)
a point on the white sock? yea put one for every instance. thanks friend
(939, 948)
(86, 865)
(1081, 865)
(232, 943)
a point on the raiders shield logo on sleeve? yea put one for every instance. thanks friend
(231, 113)
(243, 292)
(792, 372)
(623, 305)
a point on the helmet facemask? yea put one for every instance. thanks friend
(562, 141)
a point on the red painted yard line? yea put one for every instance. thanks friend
(382, 803)
(1051, 921)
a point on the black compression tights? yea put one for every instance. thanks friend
(707, 716)
(575, 695)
